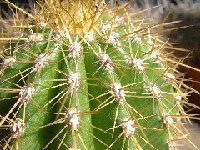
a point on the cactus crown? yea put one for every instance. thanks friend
(87, 77)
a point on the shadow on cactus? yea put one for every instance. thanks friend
(88, 77)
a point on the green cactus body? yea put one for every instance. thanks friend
(113, 90)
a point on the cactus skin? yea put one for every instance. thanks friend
(71, 91)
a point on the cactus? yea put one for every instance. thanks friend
(87, 77)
